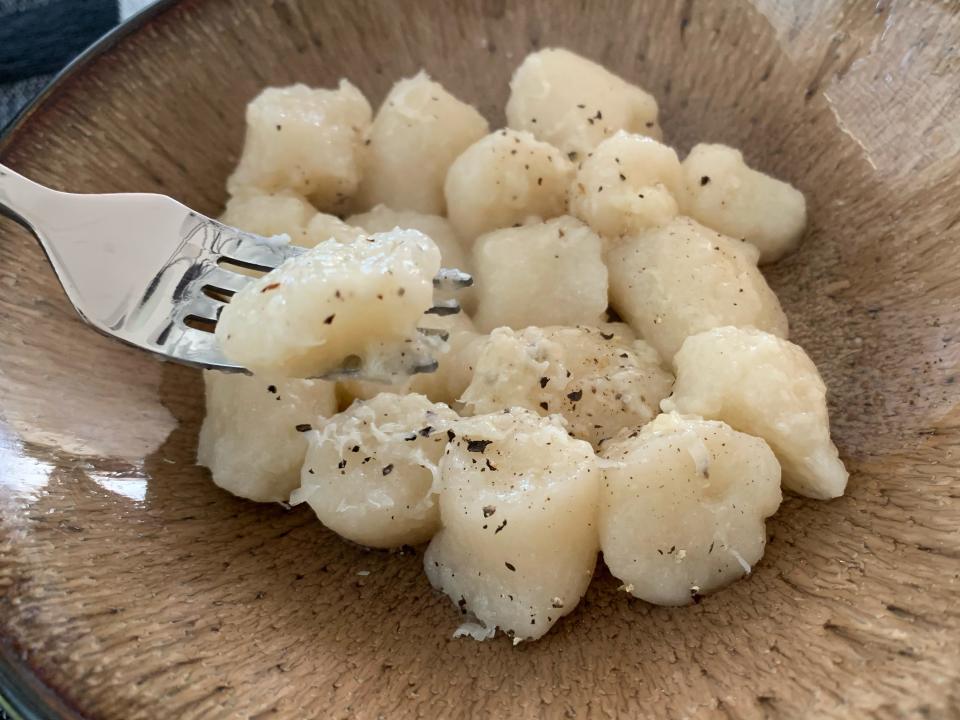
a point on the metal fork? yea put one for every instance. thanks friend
(149, 271)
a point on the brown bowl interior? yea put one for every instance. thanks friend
(134, 588)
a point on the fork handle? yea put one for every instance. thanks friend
(23, 200)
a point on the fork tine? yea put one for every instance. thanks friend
(200, 306)
(444, 307)
(259, 253)
(452, 279)
(434, 332)
(224, 280)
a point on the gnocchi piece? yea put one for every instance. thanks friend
(680, 279)
(306, 140)
(369, 471)
(628, 184)
(504, 179)
(599, 382)
(518, 504)
(683, 506)
(445, 384)
(279, 213)
(452, 253)
(573, 103)
(549, 273)
(251, 436)
(324, 227)
(338, 300)
(418, 132)
(722, 192)
(766, 386)
(455, 368)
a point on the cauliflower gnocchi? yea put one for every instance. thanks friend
(548, 273)
(369, 471)
(338, 300)
(600, 382)
(446, 383)
(598, 259)
(518, 507)
(677, 280)
(683, 506)
(573, 103)
(452, 253)
(722, 192)
(418, 132)
(766, 386)
(252, 436)
(627, 184)
(280, 213)
(306, 140)
(505, 179)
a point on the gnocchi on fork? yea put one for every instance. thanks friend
(152, 273)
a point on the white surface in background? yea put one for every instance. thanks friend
(129, 7)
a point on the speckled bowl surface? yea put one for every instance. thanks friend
(131, 587)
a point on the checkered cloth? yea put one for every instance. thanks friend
(39, 37)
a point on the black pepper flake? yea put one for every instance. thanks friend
(489, 510)
(272, 389)
(500, 527)
(304, 427)
(544, 381)
(624, 355)
(607, 336)
(425, 432)
(557, 603)
(342, 464)
(581, 106)
(711, 548)
(599, 115)
(279, 127)
(329, 319)
(410, 438)
(355, 448)
(462, 604)
(572, 155)
(575, 395)
(510, 567)
(268, 288)
(490, 466)
(622, 176)
(545, 405)
(695, 596)
(539, 181)
(401, 292)
(451, 435)
(704, 180)
(477, 445)
(310, 470)
(387, 469)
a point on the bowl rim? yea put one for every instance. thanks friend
(24, 694)
(101, 45)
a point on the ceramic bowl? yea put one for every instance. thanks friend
(131, 587)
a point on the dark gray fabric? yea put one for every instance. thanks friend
(39, 37)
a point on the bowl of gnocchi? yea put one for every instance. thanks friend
(613, 376)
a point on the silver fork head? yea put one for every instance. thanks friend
(147, 270)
